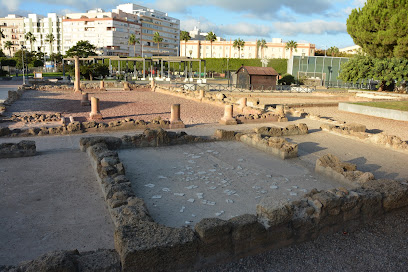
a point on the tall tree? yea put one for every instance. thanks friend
(8, 45)
(211, 37)
(157, 39)
(333, 51)
(381, 28)
(82, 49)
(239, 43)
(290, 45)
(2, 36)
(261, 44)
(185, 36)
(133, 41)
(49, 38)
(31, 38)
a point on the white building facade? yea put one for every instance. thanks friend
(40, 27)
(225, 49)
(108, 31)
(13, 30)
(155, 21)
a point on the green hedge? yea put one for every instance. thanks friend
(213, 65)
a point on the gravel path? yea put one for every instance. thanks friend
(378, 246)
(141, 104)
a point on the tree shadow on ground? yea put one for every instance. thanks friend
(363, 166)
(374, 131)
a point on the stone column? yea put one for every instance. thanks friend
(175, 121)
(152, 84)
(280, 111)
(126, 86)
(102, 86)
(228, 118)
(202, 94)
(85, 101)
(77, 83)
(243, 102)
(95, 113)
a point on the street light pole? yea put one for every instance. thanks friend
(22, 58)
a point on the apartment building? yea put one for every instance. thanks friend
(225, 49)
(41, 26)
(197, 34)
(155, 21)
(108, 31)
(13, 30)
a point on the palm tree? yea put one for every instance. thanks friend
(262, 45)
(238, 43)
(8, 45)
(2, 36)
(133, 41)
(30, 37)
(185, 36)
(291, 45)
(211, 37)
(333, 51)
(49, 38)
(157, 39)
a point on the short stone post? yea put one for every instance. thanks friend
(62, 120)
(77, 82)
(243, 102)
(175, 121)
(85, 100)
(126, 86)
(202, 94)
(95, 113)
(152, 85)
(71, 119)
(102, 86)
(280, 111)
(228, 118)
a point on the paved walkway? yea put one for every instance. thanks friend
(5, 86)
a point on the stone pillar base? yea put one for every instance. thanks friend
(103, 89)
(95, 116)
(177, 124)
(230, 121)
(85, 103)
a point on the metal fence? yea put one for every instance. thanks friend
(253, 89)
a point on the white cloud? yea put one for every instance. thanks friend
(312, 27)
(264, 8)
(10, 5)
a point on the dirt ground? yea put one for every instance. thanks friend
(50, 202)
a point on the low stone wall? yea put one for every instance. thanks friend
(331, 166)
(36, 118)
(71, 261)
(273, 145)
(21, 149)
(83, 127)
(357, 133)
(12, 97)
(299, 129)
(144, 245)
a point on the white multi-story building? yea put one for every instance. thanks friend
(355, 49)
(156, 21)
(196, 34)
(108, 31)
(41, 27)
(225, 49)
(13, 30)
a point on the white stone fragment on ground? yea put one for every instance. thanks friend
(213, 187)
(166, 190)
(223, 181)
(196, 157)
(263, 192)
(211, 203)
(191, 200)
(179, 194)
(273, 187)
(191, 187)
(295, 187)
(212, 170)
(161, 177)
(229, 201)
(200, 195)
(293, 194)
(156, 197)
(188, 222)
(229, 192)
(179, 173)
(240, 160)
(256, 187)
(239, 167)
(149, 185)
(216, 153)
(303, 190)
(182, 209)
(268, 176)
(219, 213)
(201, 172)
(185, 153)
(210, 151)
(193, 215)
(289, 190)
(258, 196)
(191, 161)
(220, 174)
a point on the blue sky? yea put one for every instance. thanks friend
(322, 22)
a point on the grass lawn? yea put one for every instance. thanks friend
(392, 105)
(56, 74)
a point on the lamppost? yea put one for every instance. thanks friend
(22, 58)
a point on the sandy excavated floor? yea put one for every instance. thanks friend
(141, 104)
(50, 202)
(184, 184)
